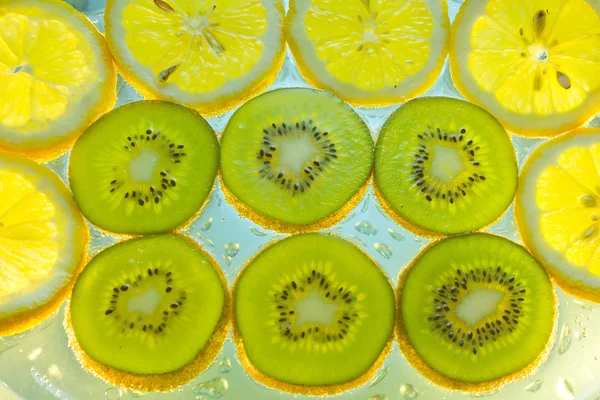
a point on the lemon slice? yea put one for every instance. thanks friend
(56, 77)
(43, 242)
(369, 52)
(558, 210)
(534, 64)
(208, 55)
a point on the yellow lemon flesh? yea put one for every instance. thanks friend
(208, 55)
(558, 210)
(369, 52)
(535, 65)
(56, 77)
(43, 242)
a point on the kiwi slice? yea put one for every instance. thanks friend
(149, 313)
(444, 166)
(145, 167)
(295, 159)
(476, 311)
(314, 315)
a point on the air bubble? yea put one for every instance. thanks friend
(214, 389)
(565, 339)
(231, 249)
(384, 250)
(534, 386)
(379, 397)
(225, 365)
(366, 228)
(407, 391)
(227, 260)
(379, 376)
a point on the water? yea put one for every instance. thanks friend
(57, 375)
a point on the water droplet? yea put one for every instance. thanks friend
(408, 391)
(54, 371)
(534, 386)
(359, 240)
(365, 205)
(206, 225)
(34, 354)
(380, 376)
(257, 232)
(206, 240)
(379, 397)
(565, 339)
(583, 305)
(382, 212)
(113, 393)
(384, 250)
(395, 235)
(231, 249)
(225, 365)
(564, 389)
(214, 389)
(227, 260)
(366, 228)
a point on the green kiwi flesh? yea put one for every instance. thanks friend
(313, 310)
(146, 167)
(445, 166)
(147, 305)
(477, 308)
(296, 155)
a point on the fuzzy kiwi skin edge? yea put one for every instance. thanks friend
(441, 381)
(295, 388)
(169, 380)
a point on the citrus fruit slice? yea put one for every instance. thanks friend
(369, 52)
(43, 242)
(210, 56)
(558, 210)
(535, 65)
(56, 77)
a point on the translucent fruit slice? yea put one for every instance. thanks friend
(558, 210)
(313, 315)
(150, 313)
(208, 55)
(43, 243)
(535, 65)
(477, 311)
(369, 52)
(146, 167)
(295, 159)
(56, 77)
(444, 166)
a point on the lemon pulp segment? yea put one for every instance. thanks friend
(534, 64)
(558, 208)
(52, 63)
(369, 51)
(42, 240)
(196, 51)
